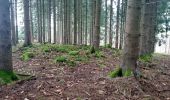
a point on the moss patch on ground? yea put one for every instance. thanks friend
(7, 77)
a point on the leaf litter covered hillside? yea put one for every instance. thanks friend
(66, 72)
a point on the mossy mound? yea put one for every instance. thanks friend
(146, 58)
(118, 72)
(7, 77)
(27, 56)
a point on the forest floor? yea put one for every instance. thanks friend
(87, 78)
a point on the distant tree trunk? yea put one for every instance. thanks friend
(92, 21)
(65, 22)
(69, 21)
(49, 21)
(105, 23)
(31, 21)
(122, 24)
(131, 47)
(75, 21)
(117, 24)
(5, 37)
(43, 20)
(110, 31)
(13, 23)
(148, 27)
(16, 22)
(54, 21)
(27, 41)
(96, 41)
(38, 21)
(86, 29)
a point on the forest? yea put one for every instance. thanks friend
(84, 50)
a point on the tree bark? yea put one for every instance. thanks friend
(96, 41)
(5, 37)
(110, 31)
(117, 24)
(27, 41)
(131, 47)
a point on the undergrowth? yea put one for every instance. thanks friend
(27, 56)
(118, 72)
(146, 58)
(7, 77)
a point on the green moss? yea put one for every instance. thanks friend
(116, 73)
(60, 59)
(7, 77)
(71, 63)
(27, 56)
(73, 53)
(108, 46)
(146, 58)
(99, 54)
(46, 48)
(128, 73)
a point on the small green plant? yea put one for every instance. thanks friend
(116, 73)
(108, 46)
(146, 58)
(92, 50)
(60, 59)
(7, 77)
(73, 53)
(128, 73)
(71, 63)
(99, 54)
(27, 56)
(46, 49)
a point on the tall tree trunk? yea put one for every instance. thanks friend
(65, 22)
(43, 20)
(49, 21)
(5, 37)
(122, 24)
(86, 29)
(105, 23)
(54, 21)
(117, 24)
(110, 31)
(13, 23)
(96, 41)
(31, 21)
(27, 41)
(75, 21)
(16, 22)
(131, 47)
(148, 24)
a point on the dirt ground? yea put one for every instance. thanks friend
(87, 80)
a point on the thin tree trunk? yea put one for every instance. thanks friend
(54, 20)
(13, 23)
(96, 41)
(49, 21)
(27, 41)
(105, 23)
(110, 30)
(117, 24)
(16, 22)
(75, 21)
